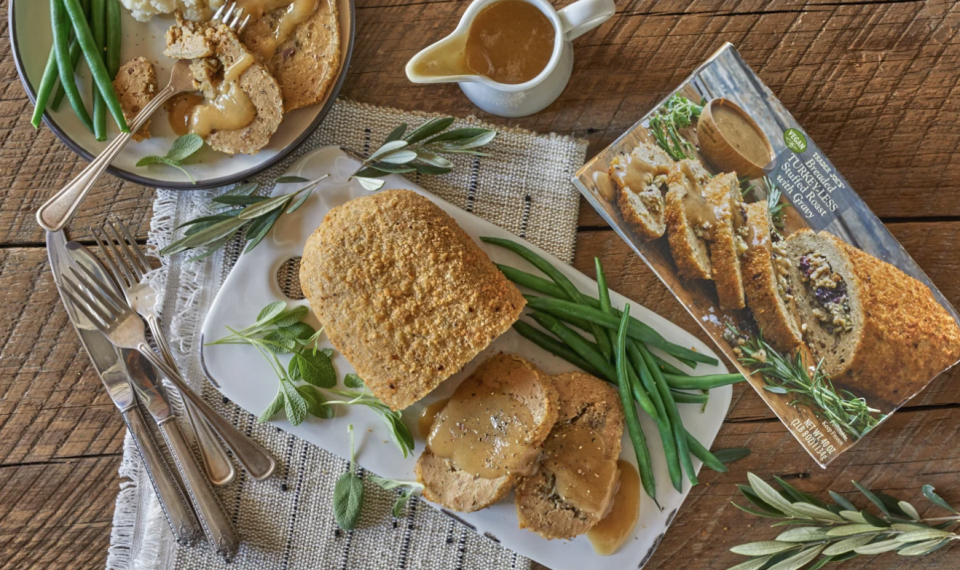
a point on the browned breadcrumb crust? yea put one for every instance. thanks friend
(507, 374)
(906, 336)
(760, 281)
(404, 293)
(307, 64)
(136, 85)
(723, 193)
(687, 244)
(583, 398)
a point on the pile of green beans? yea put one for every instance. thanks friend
(653, 383)
(95, 31)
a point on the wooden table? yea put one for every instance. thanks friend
(874, 82)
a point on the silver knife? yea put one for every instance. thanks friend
(115, 378)
(213, 519)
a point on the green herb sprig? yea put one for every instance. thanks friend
(242, 211)
(407, 489)
(421, 151)
(677, 113)
(773, 194)
(839, 531)
(813, 388)
(348, 493)
(181, 149)
(310, 372)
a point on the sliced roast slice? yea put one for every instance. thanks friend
(728, 241)
(488, 435)
(690, 219)
(578, 476)
(767, 281)
(640, 179)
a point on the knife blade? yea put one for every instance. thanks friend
(142, 376)
(115, 378)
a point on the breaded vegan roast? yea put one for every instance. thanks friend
(404, 293)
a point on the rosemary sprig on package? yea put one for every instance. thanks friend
(839, 531)
(809, 385)
(242, 212)
(309, 378)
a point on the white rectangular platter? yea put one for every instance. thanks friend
(247, 379)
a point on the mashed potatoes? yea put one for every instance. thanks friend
(143, 10)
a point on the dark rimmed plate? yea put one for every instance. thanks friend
(30, 40)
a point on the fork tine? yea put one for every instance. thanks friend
(103, 294)
(125, 230)
(86, 305)
(220, 10)
(243, 24)
(117, 268)
(131, 260)
(236, 18)
(230, 8)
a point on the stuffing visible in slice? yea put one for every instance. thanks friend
(640, 177)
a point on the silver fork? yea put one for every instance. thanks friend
(128, 265)
(57, 212)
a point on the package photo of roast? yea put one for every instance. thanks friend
(763, 241)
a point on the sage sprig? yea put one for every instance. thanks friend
(181, 149)
(309, 378)
(838, 531)
(421, 151)
(810, 386)
(241, 210)
(348, 493)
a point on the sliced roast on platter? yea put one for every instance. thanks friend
(727, 243)
(640, 177)
(578, 477)
(767, 281)
(877, 329)
(690, 219)
(488, 435)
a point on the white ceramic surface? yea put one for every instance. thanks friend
(32, 38)
(247, 379)
(537, 94)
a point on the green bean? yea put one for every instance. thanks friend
(572, 293)
(95, 61)
(98, 24)
(47, 82)
(668, 368)
(539, 284)
(637, 329)
(703, 454)
(554, 347)
(663, 422)
(114, 37)
(589, 352)
(688, 398)
(679, 433)
(59, 20)
(74, 60)
(630, 416)
(702, 382)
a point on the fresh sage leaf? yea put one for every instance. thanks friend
(298, 331)
(184, 147)
(401, 502)
(271, 311)
(292, 316)
(316, 369)
(294, 404)
(352, 381)
(316, 404)
(348, 493)
(273, 409)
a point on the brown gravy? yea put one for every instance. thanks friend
(744, 137)
(484, 433)
(698, 211)
(604, 186)
(179, 110)
(429, 415)
(231, 109)
(510, 41)
(576, 455)
(609, 534)
(634, 173)
(296, 12)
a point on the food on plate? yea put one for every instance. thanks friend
(299, 42)
(404, 293)
(640, 178)
(767, 281)
(143, 10)
(136, 85)
(874, 326)
(689, 218)
(242, 105)
(488, 435)
(728, 241)
(578, 476)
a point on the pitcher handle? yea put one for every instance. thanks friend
(581, 17)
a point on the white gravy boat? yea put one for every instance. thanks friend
(535, 95)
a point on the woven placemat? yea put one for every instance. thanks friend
(287, 521)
